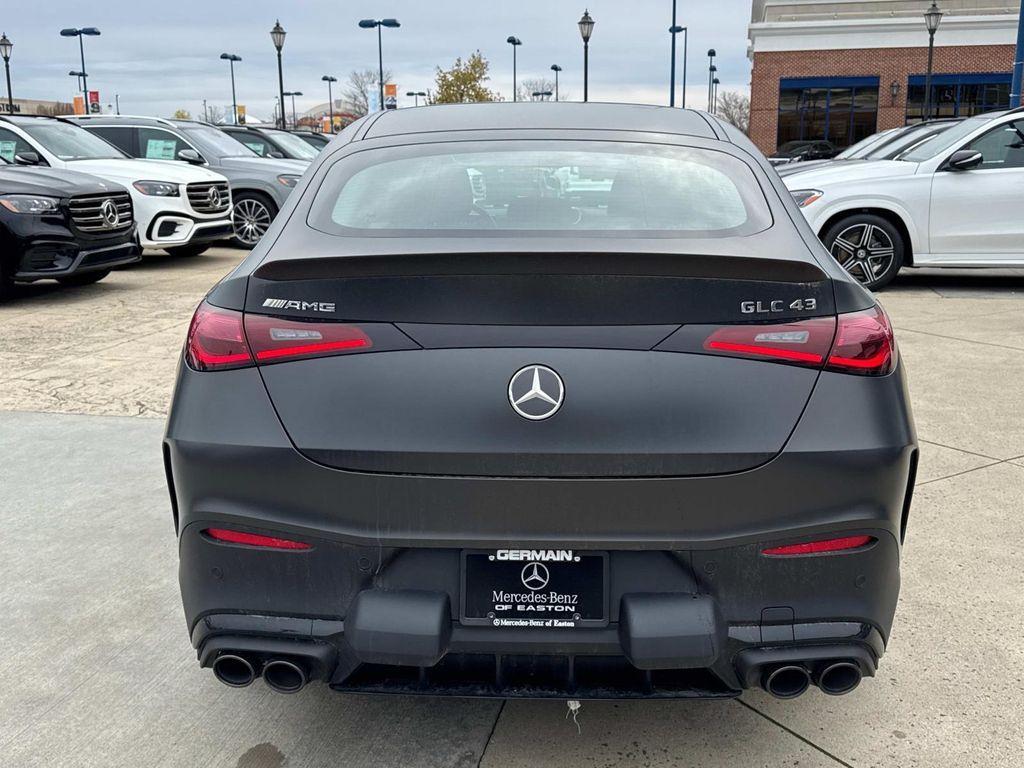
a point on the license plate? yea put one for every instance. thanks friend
(539, 589)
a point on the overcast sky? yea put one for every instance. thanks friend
(161, 56)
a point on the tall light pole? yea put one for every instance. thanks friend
(932, 17)
(293, 94)
(714, 96)
(541, 95)
(556, 69)
(78, 76)
(515, 42)
(80, 33)
(1018, 64)
(232, 58)
(330, 97)
(378, 23)
(675, 30)
(416, 95)
(586, 25)
(6, 46)
(711, 73)
(277, 35)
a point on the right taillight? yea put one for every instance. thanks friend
(864, 344)
(216, 340)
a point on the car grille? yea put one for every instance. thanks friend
(203, 200)
(90, 213)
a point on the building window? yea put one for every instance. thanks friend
(959, 95)
(840, 110)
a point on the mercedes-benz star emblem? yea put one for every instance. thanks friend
(535, 576)
(536, 392)
(111, 218)
(213, 197)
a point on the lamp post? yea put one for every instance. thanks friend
(711, 73)
(330, 97)
(675, 30)
(80, 33)
(932, 17)
(416, 95)
(6, 46)
(78, 76)
(277, 35)
(714, 96)
(556, 69)
(231, 59)
(293, 94)
(378, 23)
(586, 25)
(541, 95)
(515, 42)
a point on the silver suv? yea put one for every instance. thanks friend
(259, 185)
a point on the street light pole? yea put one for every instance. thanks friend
(330, 97)
(541, 95)
(714, 96)
(80, 33)
(711, 73)
(675, 30)
(6, 46)
(586, 25)
(231, 59)
(556, 69)
(277, 35)
(932, 17)
(672, 75)
(378, 23)
(515, 42)
(416, 95)
(293, 94)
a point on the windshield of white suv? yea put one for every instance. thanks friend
(946, 140)
(296, 147)
(216, 143)
(862, 147)
(69, 142)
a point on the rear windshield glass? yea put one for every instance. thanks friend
(541, 186)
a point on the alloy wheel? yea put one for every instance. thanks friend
(251, 220)
(865, 251)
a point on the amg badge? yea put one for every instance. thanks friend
(302, 306)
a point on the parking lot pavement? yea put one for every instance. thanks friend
(96, 663)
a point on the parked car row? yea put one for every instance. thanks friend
(79, 196)
(950, 197)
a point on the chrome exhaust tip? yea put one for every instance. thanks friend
(233, 670)
(838, 678)
(284, 676)
(787, 681)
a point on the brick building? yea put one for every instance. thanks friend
(840, 71)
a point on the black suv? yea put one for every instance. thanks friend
(59, 224)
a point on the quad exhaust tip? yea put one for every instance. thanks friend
(284, 676)
(787, 681)
(233, 670)
(838, 678)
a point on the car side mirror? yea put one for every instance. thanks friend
(275, 154)
(190, 156)
(27, 158)
(964, 160)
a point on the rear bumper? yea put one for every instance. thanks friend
(389, 546)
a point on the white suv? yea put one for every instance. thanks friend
(179, 208)
(953, 201)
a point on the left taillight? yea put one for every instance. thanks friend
(216, 340)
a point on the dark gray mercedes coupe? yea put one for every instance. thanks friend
(550, 400)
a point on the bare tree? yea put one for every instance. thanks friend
(530, 86)
(361, 83)
(215, 114)
(734, 108)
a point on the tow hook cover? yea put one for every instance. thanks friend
(402, 627)
(670, 631)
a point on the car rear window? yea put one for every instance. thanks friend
(598, 188)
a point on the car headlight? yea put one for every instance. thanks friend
(157, 188)
(805, 197)
(289, 179)
(29, 203)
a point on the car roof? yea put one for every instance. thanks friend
(540, 115)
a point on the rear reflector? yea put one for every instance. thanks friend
(253, 540)
(817, 547)
(275, 340)
(216, 340)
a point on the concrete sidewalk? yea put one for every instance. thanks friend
(95, 660)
